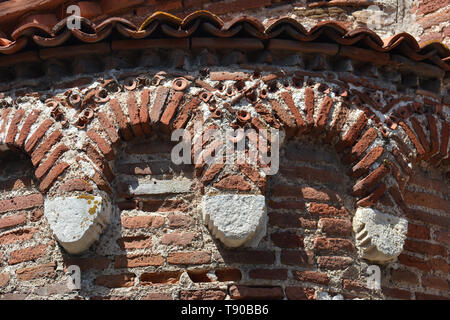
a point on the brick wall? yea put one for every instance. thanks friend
(158, 248)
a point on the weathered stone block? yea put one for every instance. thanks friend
(77, 222)
(379, 236)
(236, 219)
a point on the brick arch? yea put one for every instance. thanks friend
(340, 116)
(28, 131)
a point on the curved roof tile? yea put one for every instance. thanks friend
(46, 32)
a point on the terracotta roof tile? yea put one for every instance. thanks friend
(46, 32)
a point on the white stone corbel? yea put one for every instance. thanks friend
(236, 219)
(379, 236)
(77, 221)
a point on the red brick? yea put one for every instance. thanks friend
(373, 197)
(13, 220)
(135, 242)
(363, 166)
(45, 166)
(159, 147)
(185, 113)
(300, 293)
(233, 182)
(333, 245)
(287, 204)
(435, 283)
(17, 235)
(101, 183)
(248, 256)
(99, 161)
(324, 111)
(4, 279)
(102, 144)
(4, 118)
(133, 261)
(426, 200)
(329, 262)
(285, 220)
(137, 222)
(414, 262)
(297, 258)
(164, 205)
(21, 202)
(165, 277)
(429, 6)
(194, 257)
(434, 135)
(25, 130)
(426, 217)
(36, 215)
(404, 276)
(353, 133)
(364, 186)
(445, 132)
(45, 147)
(413, 138)
(75, 185)
(434, 19)
(178, 238)
(418, 232)
(425, 248)
(52, 176)
(158, 104)
(336, 227)
(286, 191)
(424, 296)
(396, 293)
(286, 119)
(121, 120)
(268, 274)
(90, 263)
(287, 240)
(239, 292)
(354, 285)
(310, 193)
(171, 108)
(253, 175)
(200, 275)
(325, 209)
(361, 146)
(27, 254)
(442, 237)
(144, 115)
(401, 161)
(225, 75)
(125, 280)
(158, 296)
(311, 276)
(107, 126)
(13, 126)
(417, 126)
(41, 271)
(428, 183)
(228, 274)
(180, 221)
(133, 111)
(313, 175)
(287, 97)
(338, 123)
(204, 294)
